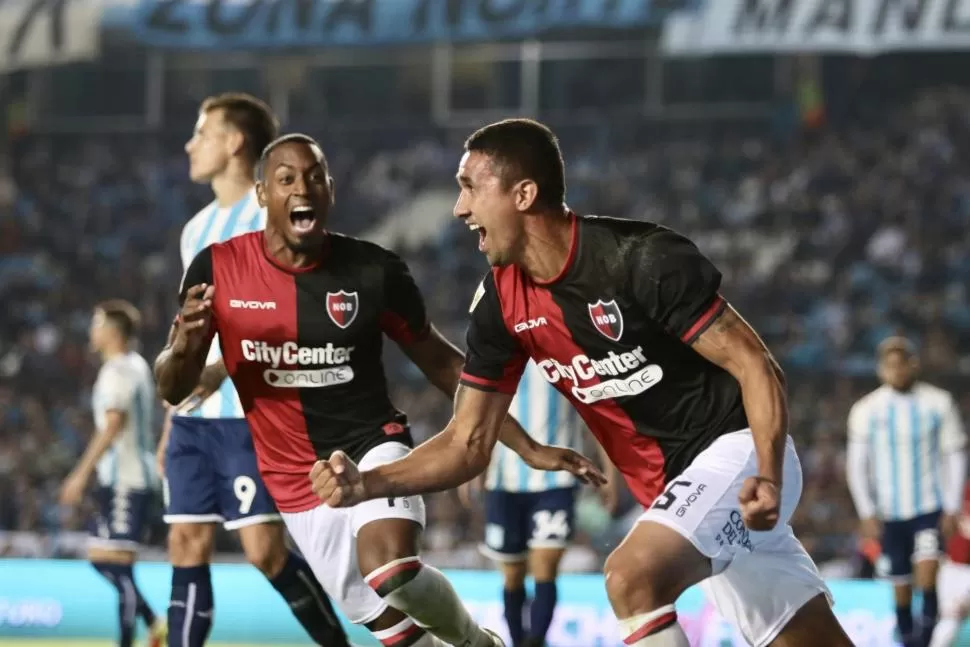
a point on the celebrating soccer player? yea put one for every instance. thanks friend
(300, 314)
(626, 319)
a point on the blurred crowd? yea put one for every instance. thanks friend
(829, 239)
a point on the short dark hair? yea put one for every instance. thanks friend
(122, 315)
(298, 138)
(896, 344)
(524, 149)
(249, 115)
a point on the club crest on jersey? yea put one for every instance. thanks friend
(342, 307)
(607, 318)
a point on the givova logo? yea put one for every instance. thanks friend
(330, 364)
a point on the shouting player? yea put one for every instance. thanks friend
(206, 451)
(300, 314)
(529, 513)
(626, 319)
(907, 444)
(954, 584)
(121, 454)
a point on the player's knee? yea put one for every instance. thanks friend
(513, 575)
(388, 542)
(190, 544)
(264, 547)
(638, 581)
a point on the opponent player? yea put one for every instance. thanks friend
(207, 451)
(678, 389)
(907, 446)
(121, 453)
(529, 513)
(954, 582)
(305, 356)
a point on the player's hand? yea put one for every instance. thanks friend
(948, 525)
(870, 528)
(760, 503)
(562, 459)
(72, 490)
(194, 318)
(211, 379)
(337, 481)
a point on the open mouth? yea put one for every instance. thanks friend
(481, 236)
(303, 218)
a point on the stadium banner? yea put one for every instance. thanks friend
(66, 599)
(863, 27)
(36, 33)
(289, 24)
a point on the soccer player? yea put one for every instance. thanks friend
(207, 452)
(300, 314)
(121, 454)
(625, 318)
(906, 466)
(954, 581)
(529, 513)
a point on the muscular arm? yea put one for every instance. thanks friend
(729, 342)
(442, 363)
(456, 455)
(178, 370)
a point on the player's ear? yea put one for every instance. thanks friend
(261, 193)
(525, 193)
(333, 195)
(235, 141)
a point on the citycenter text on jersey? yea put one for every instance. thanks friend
(582, 368)
(334, 360)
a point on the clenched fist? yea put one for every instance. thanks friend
(760, 503)
(337, 481)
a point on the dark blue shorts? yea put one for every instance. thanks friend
(518, 521)
(908, 541)
(211, 474)
(121, 517)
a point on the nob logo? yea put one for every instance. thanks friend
(330, 364)
(584, 369)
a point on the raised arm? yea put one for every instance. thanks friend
(178, 367)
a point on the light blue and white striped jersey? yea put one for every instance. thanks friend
(215, 224)
(903, 438)
(125, 383)
(549, 418)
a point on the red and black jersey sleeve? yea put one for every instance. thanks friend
(404, 318)
(675, 284)
(494, 360)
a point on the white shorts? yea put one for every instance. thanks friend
(760, 578)
(327, 537)
(953, 588)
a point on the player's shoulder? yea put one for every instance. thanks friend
(932, 393)
(196, 221)
(639, 243)
(353, 252)
(872, 398)
(242, 244)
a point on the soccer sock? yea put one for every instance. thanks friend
(928, 616)
(127, 606)
(142, 608)
(514, 602)
(423, 593)
(945, 634)
(406, 634)
(543, 608)
(309, 603)
(654, 629)
(190, 609)
(904, 624)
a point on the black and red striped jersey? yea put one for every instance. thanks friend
(612, 332)
(303, 348)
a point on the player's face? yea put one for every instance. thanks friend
(898, 370)
(297, 193)
(210, 148)
(490, 209)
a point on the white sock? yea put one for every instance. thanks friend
(945, 633)
(429, 598)
(654, 629)
(405, 630)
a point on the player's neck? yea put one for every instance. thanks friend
(546, 253)
(287, 257)
(232, 185)
(111, 351)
